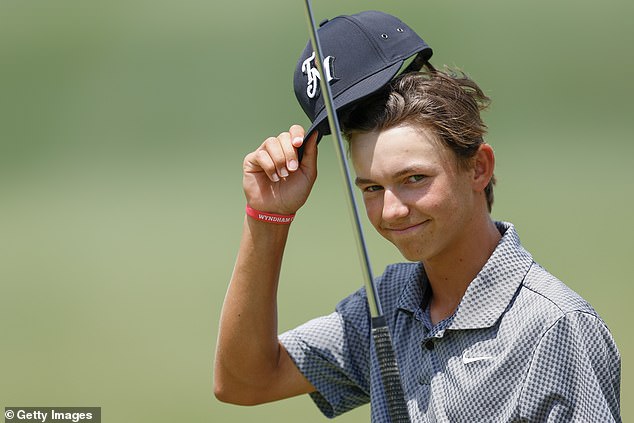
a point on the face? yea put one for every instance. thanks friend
(415, 194)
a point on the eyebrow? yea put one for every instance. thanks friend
(416, 168)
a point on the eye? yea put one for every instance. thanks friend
(415, 178)
(372, 188)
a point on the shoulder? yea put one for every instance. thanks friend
(551, 313)
(547, 292)
(545, 310)
(574, 355)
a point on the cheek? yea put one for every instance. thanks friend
(429, 201)
(438, 201)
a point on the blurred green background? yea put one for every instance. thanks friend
(123, 125)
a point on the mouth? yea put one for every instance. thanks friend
(405, 229)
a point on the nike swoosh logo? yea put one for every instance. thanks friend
(467, 360)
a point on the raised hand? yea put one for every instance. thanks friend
(273, 179)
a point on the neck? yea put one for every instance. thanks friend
(451, 273)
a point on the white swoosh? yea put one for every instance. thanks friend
(467, 360)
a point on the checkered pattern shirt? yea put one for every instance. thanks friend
(520, 347)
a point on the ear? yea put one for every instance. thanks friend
(483, 167)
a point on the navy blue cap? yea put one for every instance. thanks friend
(362, 53)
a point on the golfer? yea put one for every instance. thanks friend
(481, 331)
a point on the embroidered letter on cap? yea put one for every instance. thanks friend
(313, 74)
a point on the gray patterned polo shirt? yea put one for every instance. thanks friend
(520, 347)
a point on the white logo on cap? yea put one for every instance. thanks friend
(313, 74)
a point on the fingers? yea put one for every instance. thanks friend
(289, 159)
(297, 135)
(265, 158)
(277, 156)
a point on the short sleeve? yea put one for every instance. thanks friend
(332, 352)
(574, 373)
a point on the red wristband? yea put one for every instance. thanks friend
(280, 219)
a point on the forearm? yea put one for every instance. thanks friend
(248, 349)
(251, 366)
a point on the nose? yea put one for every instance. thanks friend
(394, 208)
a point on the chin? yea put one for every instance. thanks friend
(414, 247)
(414, 258)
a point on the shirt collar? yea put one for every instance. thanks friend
(414, 294)
(489, 294)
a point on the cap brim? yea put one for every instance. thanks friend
(358, 91)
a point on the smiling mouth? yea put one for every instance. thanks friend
(406, 229)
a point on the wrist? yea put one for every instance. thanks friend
(267, 217)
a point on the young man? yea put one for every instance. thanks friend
(481, 332)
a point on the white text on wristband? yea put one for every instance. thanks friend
(280, 219)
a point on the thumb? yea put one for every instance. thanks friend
(309, 159)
